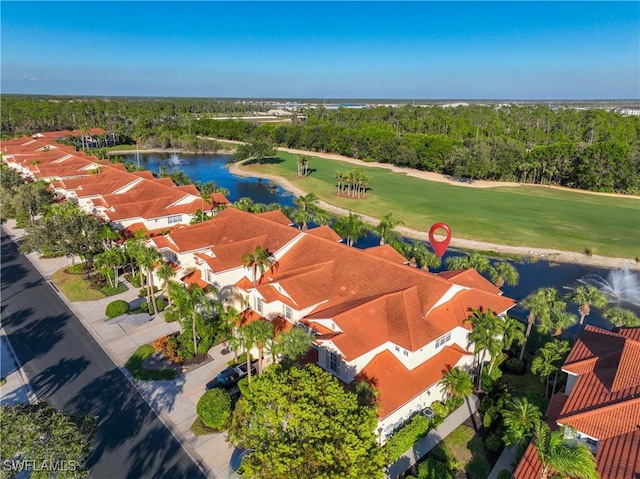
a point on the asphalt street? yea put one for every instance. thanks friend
(67, 368)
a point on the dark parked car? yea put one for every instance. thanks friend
(230, 376)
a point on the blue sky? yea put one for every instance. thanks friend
(413, 50)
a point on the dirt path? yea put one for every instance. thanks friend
(541, 253)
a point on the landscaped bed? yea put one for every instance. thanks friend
(72, 281)
(136, 367)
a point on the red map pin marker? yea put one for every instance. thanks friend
(439, 247)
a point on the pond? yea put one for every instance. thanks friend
(213, 167)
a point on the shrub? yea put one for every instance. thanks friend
(117, 308)
(493, 443)
(489, 378)
(406, 437)
(431, 468)
(478, 468)
(171, 351)
(514, 366)
(440, 411)
(138, 371)
(214, 408)
(504, 474)
(243, 385)
(160, 304)
(111, 291)
(75, 269)
(134, 279)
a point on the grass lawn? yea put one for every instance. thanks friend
(199, 428)
(138, 371)
(463, 450)
(519, 216)
(75, 287)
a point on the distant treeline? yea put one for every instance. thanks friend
(588, 149)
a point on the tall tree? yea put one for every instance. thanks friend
(351, 227)
(300, 422)
(486, 329)
(420, 255)
(622, 318)
(114, 259)
(258, 261)
(474, 260)
(294, 343)
(38, 432)
(548, 361)
(386, 227)
(503, 272)
(262, 333)
(165, 273)
(539, 303)
(560, 458)
(456, 383)
(557, 321)
(586, 296)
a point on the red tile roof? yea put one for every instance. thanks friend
(471, 279)
(397, 385)
(604, 402)
(194, 278)
(387, 252)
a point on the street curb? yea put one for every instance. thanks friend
(31, 395)
(191, 452)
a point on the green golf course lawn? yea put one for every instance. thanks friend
(519, 216)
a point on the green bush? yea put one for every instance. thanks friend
(138, 371)
(111, 291)
(214, 409)
(478, 468)
(160, 304)
(75, 269)
(489, 378)
(440, 410)
(504, 474)
(406, 437)
(493, 443)
(134, 279)
(514, 366)
(243, 385)
(431, 468)
(117, 308)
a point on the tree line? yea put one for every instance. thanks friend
(587, 149)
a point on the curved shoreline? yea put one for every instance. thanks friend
(540, 253)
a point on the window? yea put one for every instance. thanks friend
(398, 348)
(259, 305)
(443, 340)
(174, 219)
(208, 276)
(406, 353)
(333, 361)
(288, 313)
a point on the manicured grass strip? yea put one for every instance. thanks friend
(135, 367)
(518, 216)
(463, 449)
(199, 429)
(75, 287)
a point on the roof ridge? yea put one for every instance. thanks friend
(599, 408)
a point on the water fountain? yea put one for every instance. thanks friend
(174, 160)
(621, 285)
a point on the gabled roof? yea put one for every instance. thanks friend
(604, 402)
(471, 279)
(387, 252)
(397, 385)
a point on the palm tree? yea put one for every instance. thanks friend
(548, 360)
(586, 296)
(190, 304)
(294, 343)
(112, 258)
(147, 258)
(262, 332)
(539, 304)
(456, 383)
(165, 273)
(512, 332)
(367, 394)
(503, 272)
(622, 318)
(421, 255)
(351, 227)
(299, 162)
(199, 217)
(520, 418)
(306, 209)
(557, 457)
(109, 236)
(486, 328)
(474, 260)
(386, 227)
(557, 321)
(244, 204)
(259, 260)
(247, 341)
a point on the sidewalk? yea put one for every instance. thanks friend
(424, 445)
(16, 390)
(173, 401)
(506, 461)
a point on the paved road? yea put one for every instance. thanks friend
(68, 369)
